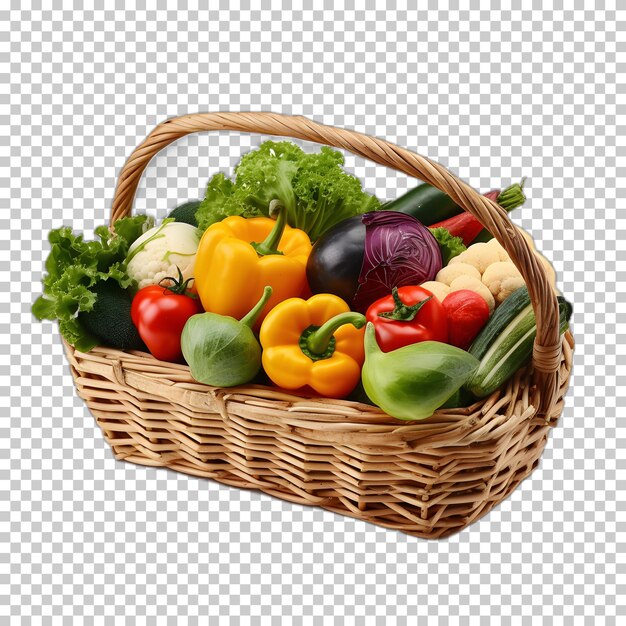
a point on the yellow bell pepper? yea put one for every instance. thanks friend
(238, 257)
(316, 342)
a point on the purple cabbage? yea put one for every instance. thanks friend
(399, 251)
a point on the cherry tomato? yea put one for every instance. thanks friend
(409, 315)
(160, 313)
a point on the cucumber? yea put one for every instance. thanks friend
(430, 206)
(506, 342)
(426, 204)
(459, 399)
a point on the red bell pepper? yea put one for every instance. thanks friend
(409, 315)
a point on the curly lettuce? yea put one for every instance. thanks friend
(312, 188)
(74, 266)
(449, 245)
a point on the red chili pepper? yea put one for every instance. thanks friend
(409, 315)
(467, 313)
(467, 227)
(464, 225)
(160, 313)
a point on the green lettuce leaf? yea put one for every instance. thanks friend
(74, 266)
(313, 188)
(449, 245)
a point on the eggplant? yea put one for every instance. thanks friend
(335, 262)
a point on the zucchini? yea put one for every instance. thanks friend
(506, 342)
(431, 206)
(426, 204)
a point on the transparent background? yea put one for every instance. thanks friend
(494, 95)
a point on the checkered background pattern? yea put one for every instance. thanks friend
(494, 95)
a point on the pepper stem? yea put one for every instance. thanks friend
(403, 312)
(270, 244)
(250, 318)
(318, 342)
(512, 196)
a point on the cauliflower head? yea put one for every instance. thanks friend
(451, 272)
(487, 269)
(496, 249)
(161, 252)
(502, 279)
(439, 290)
(482, 255)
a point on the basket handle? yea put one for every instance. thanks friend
(547, 349)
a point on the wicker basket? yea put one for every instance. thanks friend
(428, 478)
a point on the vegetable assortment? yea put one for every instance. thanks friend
(363, 258)
(291, 272)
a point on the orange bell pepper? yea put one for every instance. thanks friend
(316, 342)
(238, 257)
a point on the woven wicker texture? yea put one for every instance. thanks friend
(428, 478)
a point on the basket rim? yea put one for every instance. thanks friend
(128, 369)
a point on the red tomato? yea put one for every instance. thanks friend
(401, 320)
(467, 313)
(160, 315)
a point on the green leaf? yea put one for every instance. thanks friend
(449, 245)
(217, 203)
(312, 187)
(131, 228)
(74, 266)
(44, 308)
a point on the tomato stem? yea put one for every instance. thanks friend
(403, 312)
(178, 285)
